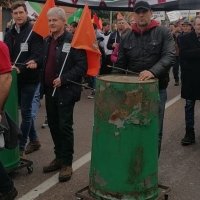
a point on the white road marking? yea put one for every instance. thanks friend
(172, 101)
(46, 185)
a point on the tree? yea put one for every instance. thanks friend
(6, 3)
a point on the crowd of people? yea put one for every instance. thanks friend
(145, 47)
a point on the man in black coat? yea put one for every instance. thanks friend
(190, 72)
(148, 50)
(60, 106)
(26, 52)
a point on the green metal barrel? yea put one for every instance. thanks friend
(10, 158)
(124, 163)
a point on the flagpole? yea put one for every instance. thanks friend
(22, 48)
(61, 71)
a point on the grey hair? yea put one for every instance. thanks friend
(57, 11)
(196, 17)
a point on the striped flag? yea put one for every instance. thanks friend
(34, 9)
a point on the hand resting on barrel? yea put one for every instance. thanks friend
(145, 75)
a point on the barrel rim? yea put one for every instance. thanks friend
(154, 80)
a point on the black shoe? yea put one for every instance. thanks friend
(176, 83)
(9, 195)
(189, 136)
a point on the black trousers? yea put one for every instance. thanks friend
(104, 69)
(60, 122)
(6, 183)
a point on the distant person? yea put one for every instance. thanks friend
(73, 27)
(106, 30)
(190, 77)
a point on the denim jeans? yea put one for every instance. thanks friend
(27, 93)
(36, 102)
(92, 81)
(176, 69)
(163, 99)
(189, 113)
(6, 183)
(35, 105)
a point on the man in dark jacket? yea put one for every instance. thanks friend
(148, 49)
(60, 106)
(27, 53)
(116, 35)
(190, 72)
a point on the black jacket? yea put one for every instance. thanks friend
(74, 69)
(153, 50)
(114, 38)
(33, 51)
(190, 66)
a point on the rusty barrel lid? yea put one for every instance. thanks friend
(124, 79)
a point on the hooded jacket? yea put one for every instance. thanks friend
(152, 49)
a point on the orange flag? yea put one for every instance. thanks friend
(41, 26)
(96, 21)
(120, 16)
(84, 38)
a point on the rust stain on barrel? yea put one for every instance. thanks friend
(133, 98)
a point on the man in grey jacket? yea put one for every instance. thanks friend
(148, 49)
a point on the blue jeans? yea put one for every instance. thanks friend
(36, 102)
(163, 99)
(26, 94)
(93, 82)
(176, 69)
(35, 106)
(189, 113)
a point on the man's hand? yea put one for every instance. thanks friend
(0, 117)
(31, 64)
(145, 75)
(114, 45)
(17, 69)
(57, 83)
(8, 25)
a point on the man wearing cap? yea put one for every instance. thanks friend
(190, 73)
(186, 28)
(148, 49)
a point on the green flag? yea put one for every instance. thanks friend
(76, 16)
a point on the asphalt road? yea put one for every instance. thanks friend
(179, 167)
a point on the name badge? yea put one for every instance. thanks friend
(66, 47)
(24, 47)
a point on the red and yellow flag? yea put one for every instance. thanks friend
(41, 26)
(84, 38)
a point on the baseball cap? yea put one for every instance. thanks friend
(186, 22)
(141, 4)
